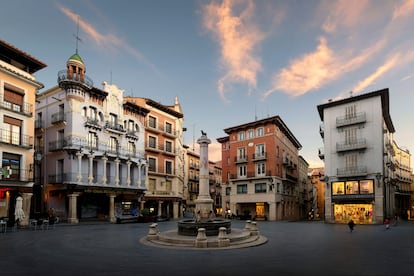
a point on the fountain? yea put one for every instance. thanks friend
(204, 217)
(209, 231)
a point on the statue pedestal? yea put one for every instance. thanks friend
(204, 205)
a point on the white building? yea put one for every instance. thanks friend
(92, 145)
(358, 155)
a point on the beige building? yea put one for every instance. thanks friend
(91, 142)
(165, 153)
(402, 182)
(18, 87)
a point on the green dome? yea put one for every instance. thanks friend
(76, 57)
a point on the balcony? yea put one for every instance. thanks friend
(19, 176)
(93, 123)
(24, 108)
(353, 144)
(132, 134)
(358, 118)
(65, 79)
(240, 159)
(352, 171)
(114, 127)
(258, 156)
(58, 117)
(56, 145)
(15, 139)
(322, 130)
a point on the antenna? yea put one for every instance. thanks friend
(77, 36)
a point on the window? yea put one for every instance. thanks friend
(130, 126)
(13, 100)
(151, 184)
(242, 189)
(152, 164)
(241, 136)
(131, 148)
(338, 188)
(113, 120)
(351, 161)
(84, 111)
(168, 127)
(228, 190)
(12, 160)
(152, 122)
(168, 167)
(242, 170)
(260, 188)
(261, 169)
(168, 146)
(152, 142)
(350, 112)
(113, 145)
(352, 187)
(92, 140)
(350, 136)
(250, 134)
(11, 131)
(93, 114)
(366, 186)
(260, 132)
(241, 153)
(168, 186)
(260, 150)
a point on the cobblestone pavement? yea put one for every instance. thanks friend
(293, 248)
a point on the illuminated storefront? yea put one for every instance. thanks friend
(353, 200)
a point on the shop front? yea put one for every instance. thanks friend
(353, 199)
(360, 213)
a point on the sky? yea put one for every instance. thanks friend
(230, 62)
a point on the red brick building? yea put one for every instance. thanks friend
(260, 170)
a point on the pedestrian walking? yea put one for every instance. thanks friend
(351, 225)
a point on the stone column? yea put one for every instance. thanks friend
(272, 211)
(112, 218)
(79, 176)
(72, 215)
(159, 208)
(105, 159)
(117, 161)
(90, 174)
(26, 208)
(128, 173)
(204, 203)
(175, 209)
(139, 173)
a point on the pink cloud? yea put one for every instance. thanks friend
(403, 10)
(106, 40)
(238, 38)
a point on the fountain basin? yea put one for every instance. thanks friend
(190, 227)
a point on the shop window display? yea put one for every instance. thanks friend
(359, 213)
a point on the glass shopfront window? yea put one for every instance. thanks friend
(359, 213)
(355, 187)
(338, 188)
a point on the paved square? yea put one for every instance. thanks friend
(293, 248)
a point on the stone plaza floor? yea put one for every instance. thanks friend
(293, 248)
